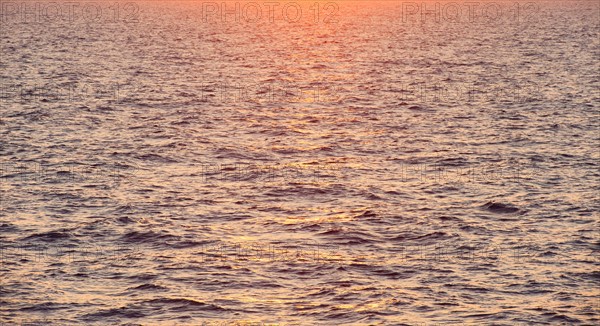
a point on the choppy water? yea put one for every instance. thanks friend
(351, 164)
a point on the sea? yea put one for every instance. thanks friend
(306, 162)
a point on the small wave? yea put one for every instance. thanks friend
(49, 236)
(143, 237)
(500, 208)
(184, 304)
(148, 287)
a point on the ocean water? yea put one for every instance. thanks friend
(299, 163)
